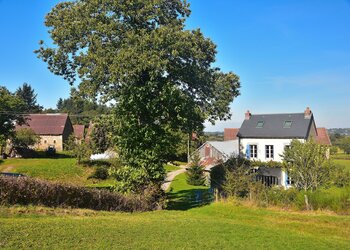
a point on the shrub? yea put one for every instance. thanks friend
(277, 196)
(340, 177)
(130, 180)
(25, 191)
(195, 173)
(24, 138)
(100, 173)
(238, 177)
(334, 199)
(307, 164)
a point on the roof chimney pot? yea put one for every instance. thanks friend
(247, 115)
(307, 113)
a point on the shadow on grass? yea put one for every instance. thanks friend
(31, 154)
(96, 163)
(187, 199)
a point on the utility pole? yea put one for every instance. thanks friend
(188, 148)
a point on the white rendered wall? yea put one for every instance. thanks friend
(278, 146)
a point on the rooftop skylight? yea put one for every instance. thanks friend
(287, 124)
(260, 124)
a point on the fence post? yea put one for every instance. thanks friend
(216, 194)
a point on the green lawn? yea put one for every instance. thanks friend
(217, 226)
(63, 170)
(184, 225)
(183, 196)
(170, 168)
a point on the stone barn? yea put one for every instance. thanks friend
(53, 129)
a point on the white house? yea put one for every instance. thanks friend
(264, 138)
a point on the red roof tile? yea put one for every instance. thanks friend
(46, 124)
(230, 134)
(79, 131)
(322, 136)
(208, 161)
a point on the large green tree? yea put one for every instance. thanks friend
(138, 54)
(344, 144)
(27, 94)
(11, 109)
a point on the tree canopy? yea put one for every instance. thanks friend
(138, 54)
(307, 164)
(80, 108)
(11, 112)
(27, 94)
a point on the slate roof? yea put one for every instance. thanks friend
(230, 134)
(273, 126)
(322, 137)
(46, 124)
(79, 131)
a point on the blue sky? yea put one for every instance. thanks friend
(289, 54)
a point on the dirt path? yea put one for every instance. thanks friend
(8, 169)
(170, 177)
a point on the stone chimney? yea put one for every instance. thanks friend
(307, 113)
(247, 115)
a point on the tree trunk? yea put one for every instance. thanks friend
(307, 202)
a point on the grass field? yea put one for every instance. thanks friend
(184, 225)
(343, 163)
(59, 169)
(216, 226)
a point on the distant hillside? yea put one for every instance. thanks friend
(214, 136)
(341, 131)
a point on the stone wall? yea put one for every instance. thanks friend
(50, 140)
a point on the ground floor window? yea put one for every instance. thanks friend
(289, 181)
(267, 180)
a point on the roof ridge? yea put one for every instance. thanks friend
(280, 114)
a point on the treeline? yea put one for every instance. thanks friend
(340, 141)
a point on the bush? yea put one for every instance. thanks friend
(195, 173)
(100, 173)
(130, 180)
(340, 177)
(238, 177)
(25, 191)
(334, 199)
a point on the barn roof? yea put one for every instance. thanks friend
(79, 131)
(45, 124)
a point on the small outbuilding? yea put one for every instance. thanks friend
(212, 153)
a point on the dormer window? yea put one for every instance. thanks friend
(287, 124)
(260, 124)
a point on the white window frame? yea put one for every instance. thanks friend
(253, 152)
(269, 151)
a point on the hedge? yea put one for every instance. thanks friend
(25, 191)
